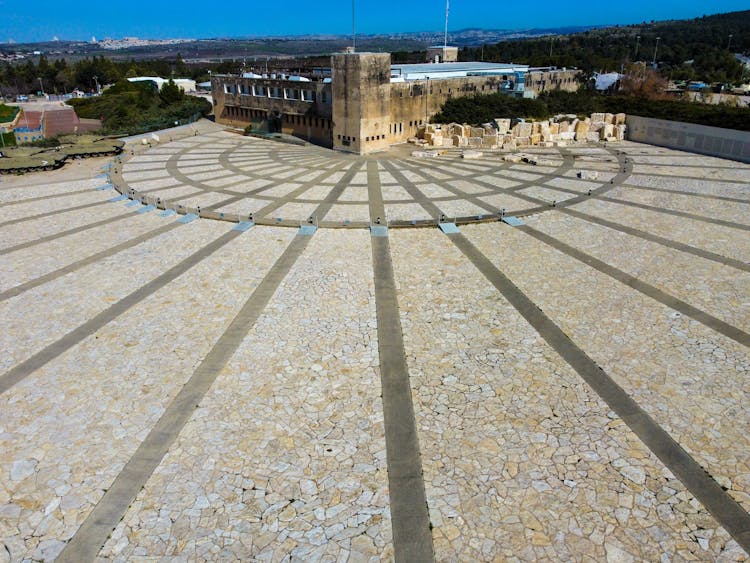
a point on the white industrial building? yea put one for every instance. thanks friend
(185, 84)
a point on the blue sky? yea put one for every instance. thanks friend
(35, 20)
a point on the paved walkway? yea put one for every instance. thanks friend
(572, 387)
(282, 184)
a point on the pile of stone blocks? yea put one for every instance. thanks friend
(511, 134)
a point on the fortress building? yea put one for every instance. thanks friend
(363, 103)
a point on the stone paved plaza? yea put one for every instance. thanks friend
(575, 387)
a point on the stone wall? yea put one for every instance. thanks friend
(275, 110)
(511, 134)
(538, 81)
(414, 103)
(714, 141)
(361, 108)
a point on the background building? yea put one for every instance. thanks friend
(185, 84)
(33, 125)
(364, 103)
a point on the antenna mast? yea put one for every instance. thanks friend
(354, 31)
(447, 9)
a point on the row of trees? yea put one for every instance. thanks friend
(59, 76)
(699, 49)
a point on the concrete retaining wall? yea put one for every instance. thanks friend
(714, 141)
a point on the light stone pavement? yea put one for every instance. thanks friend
(574, 388)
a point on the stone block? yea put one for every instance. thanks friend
(503, 126)
(563, 127)
(609, 130)
(561, 144)
(523, 141)
(587, 174)
(473, 155)
(554, 128)
(609, 118)
(536, 128)
(510, 145)
(597, 117)
(514, 158)
(582, 129)
(489, 141)
(535, 139)
(424, 154)
(476, 132)
(567, 136)
(448, 141)
(474, 141)
(547, 144)
(591, 137)
(620, 119)
(524, 129)
(620, 131)
(597, 126)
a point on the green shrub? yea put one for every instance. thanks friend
(483, 108)
(133, 108)
(7, 113)
(8, 140)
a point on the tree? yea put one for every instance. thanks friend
(643, 82)
(62, 80)
(170, 93)
(180, 67)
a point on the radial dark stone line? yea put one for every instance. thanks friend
(703, 486)
(93, 533)
(22, 370)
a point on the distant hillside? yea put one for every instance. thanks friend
(697, 49)
(281, 46)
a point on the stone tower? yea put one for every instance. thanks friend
(361, 101)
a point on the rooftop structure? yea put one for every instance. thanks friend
(442, 54)
(444, 71)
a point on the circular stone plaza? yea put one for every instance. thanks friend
(230, 348)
